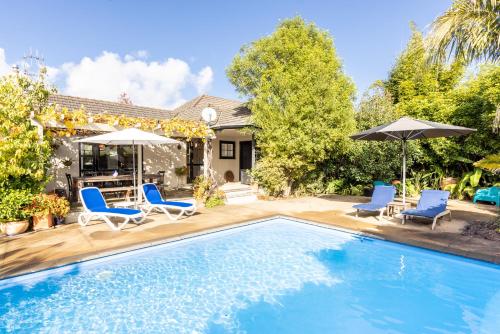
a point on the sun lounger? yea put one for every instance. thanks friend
(154, 201)
(95, 207)
(382, 195)
(432, 205)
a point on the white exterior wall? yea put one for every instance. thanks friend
(156, 158)
(220, 166)
(167, 158)
(67, 150)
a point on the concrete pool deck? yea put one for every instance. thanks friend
(70, 243)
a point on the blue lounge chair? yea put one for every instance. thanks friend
(95, 207)
(432, 205)
(382, 195)
(491, 194)
(154, 201)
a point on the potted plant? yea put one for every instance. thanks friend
(67, 162)
(180, 172)
(45, 207)
(14, 211)
(60, 208)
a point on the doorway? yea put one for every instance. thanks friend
(245, 161)
(194, 159)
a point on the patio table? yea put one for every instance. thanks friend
(81, 182)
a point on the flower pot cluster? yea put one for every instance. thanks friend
(17, 208)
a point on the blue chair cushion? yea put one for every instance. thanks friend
(172, 203)
(152, 193)
(430, 199)
(382, 195)
(92, 198)
(154, 197)
(431, 203)
(429, 213)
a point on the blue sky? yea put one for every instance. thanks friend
(199, 37)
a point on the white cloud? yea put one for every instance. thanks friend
(148, 83)
(4, 67)
(158, 84)
(203, 81)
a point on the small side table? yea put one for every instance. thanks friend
(396, 207)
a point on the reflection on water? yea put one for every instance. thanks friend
(402, 265)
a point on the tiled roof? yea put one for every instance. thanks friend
(113, 108)
(231, 113)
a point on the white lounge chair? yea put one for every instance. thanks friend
(95, 207)
(154, 201)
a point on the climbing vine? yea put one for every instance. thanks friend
(62, 122)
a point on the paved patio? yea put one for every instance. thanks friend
(70, 243)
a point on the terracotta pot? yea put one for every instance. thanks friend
(43, 222)
(14, 228)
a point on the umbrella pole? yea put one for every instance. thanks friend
(404, 171)
(133, 176)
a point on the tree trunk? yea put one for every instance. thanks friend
(288, 189)
(209, 173)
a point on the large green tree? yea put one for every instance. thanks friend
(440, 92)
(301, 101)
(422, 90)
(413, 77)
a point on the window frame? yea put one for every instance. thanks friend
(95, 159)
(227, 142)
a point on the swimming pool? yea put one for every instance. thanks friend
(275, 276)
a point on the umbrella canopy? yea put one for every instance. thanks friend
(407, 128)
(131, 136)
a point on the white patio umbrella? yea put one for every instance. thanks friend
(131, 136)
(407, 128)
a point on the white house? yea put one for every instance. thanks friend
(233, 151)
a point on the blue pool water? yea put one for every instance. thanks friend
(277, 276)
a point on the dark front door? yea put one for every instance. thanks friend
(194, 159)
(245, 161)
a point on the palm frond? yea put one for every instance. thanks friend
(490, 162)
(470, 30)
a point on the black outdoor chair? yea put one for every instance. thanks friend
(71, 195)
(161, 182)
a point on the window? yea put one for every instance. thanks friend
(105, 158)
(226, 150)
(108, 157)
(87, 157)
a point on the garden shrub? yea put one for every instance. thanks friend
(205, 190)
(14, 204)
